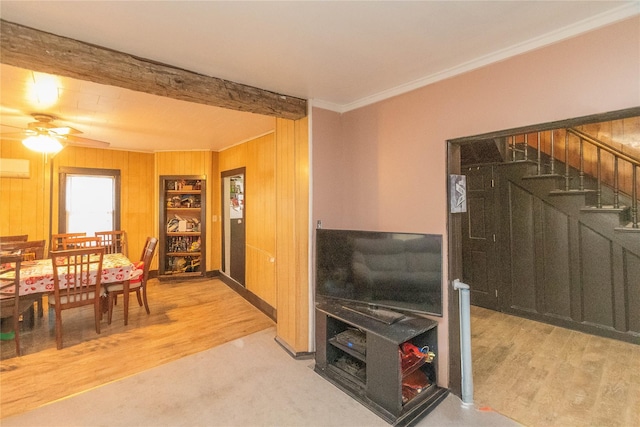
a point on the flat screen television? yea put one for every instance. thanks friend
(369, 270)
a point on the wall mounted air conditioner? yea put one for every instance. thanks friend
(14, 168)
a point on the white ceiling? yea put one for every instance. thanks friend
(338, 54)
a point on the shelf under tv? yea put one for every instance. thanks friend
(381, 388)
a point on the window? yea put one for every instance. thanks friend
(89, 200)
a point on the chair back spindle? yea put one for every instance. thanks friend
(57, 240)
(77, 282)
(81, 242)
(114, 241)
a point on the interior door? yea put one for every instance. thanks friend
(479, 248)
(233, 233)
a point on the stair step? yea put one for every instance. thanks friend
(571, 192)
(544, 175)
(604, 209)
(629, 228)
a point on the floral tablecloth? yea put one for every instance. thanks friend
(37, 276)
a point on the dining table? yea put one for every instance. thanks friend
(37, 276)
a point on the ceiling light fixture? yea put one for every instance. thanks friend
(42, 143)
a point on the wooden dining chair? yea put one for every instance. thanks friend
(137, 285)
(57, 240)
(16, 238)
(12, 304)
(29, 250)
(81, 242)
(114, 241)
(77, 277)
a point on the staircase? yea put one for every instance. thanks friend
(567, 233)
(598, 193)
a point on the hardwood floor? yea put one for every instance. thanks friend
(186, 317)
(542, 375)
(536, 374)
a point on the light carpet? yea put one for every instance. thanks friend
(251, 381)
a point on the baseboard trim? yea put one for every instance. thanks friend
(255, 300)
(296, 355)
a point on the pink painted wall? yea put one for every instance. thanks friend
(383, 167)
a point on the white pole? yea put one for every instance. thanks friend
(465, 341)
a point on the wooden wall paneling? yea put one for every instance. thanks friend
(303, 228)
(596, 274)
(556, 295)
(539, 258)
(293, 281)
(233, 157)
(212, 182)
(137, 196)
(214, 209)
(558, 269)
(258, 158)
(5, 193)
(38, 211)
(607, 167)
(43, 166)
(253, 220)
(522, 245)
(139, 201)
(20, 188)
(23, 199)
(620, 312)
(575, 282)
(286, 327)
(160, 159)
(631, 265)
(260, 201)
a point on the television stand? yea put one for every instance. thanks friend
(368, 366)
(381, 315)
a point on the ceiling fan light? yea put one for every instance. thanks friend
(42, 144)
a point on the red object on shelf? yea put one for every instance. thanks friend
(411, 357)
(410, 362)
(413, 384)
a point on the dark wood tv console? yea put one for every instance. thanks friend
(369, 369)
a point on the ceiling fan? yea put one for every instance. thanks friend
(44, 131)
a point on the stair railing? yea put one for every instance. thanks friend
(617, 156)
(600, 146)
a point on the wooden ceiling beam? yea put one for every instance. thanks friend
(48, 53)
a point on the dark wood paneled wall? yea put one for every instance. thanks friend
(562, 270)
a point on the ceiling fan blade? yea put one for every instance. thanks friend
(85, 142)
(11, 127)
(16, 136)
(64, 130)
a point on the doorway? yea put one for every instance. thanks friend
(233, 220)
(544, 255)
(479, 230)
